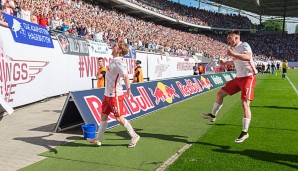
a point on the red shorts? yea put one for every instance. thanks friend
(113, 104)
(244, 84)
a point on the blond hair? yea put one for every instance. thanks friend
(123, 46)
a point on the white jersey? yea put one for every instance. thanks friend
(244, 68)
(25, 15)
(117, 69)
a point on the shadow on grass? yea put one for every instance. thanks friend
(51, 144)
(289, 160)
(78, 144)
(41, 141)
(276, 107)
(282, 159)
(175, 138)
(98, 162)
(258, 127)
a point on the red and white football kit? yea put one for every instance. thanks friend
(245, 75)
(113, 95)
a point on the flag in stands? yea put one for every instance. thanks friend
(28, 33)
(131, 53)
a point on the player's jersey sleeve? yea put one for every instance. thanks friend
(246, 47)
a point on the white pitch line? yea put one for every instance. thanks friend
(173, 158)
(292, 85)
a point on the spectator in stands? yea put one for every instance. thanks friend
(33, 18)
(110, 35)
(65, 27)
(98, 35)
(101, 73)
(43, 21)
(91, 32)
(245, 81)
(12, 5)
(25, 12)
(73, 28)
(195, 69)
(7, 9)
(82, 30)
(56, 22)
(2, 21)
(138, 73)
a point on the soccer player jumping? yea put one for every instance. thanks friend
(245, 81)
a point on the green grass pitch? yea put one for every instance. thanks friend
(272, 145)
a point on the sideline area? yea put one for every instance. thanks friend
(26, 139)
(162, 133)
(25, 133)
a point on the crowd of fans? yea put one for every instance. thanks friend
(266, 46)
(101, 24)
(194, 15)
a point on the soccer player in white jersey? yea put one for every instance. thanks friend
(114, 96)
(244, 82)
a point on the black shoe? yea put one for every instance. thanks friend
(243, 136)
(209, 116)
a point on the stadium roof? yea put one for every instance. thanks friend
(263, 7)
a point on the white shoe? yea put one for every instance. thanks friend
(209, 116)
(95, 141)
(134, 141)
(243, 136)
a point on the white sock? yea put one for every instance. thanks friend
(129, 129)
(245, 124)
(216, 108)
(101, 130)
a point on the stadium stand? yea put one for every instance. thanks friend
(194, 15)
(94, 21)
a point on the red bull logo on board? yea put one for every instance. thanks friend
(190, 87)
(164, 93)
(205, 82)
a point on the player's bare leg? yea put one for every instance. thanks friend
(101, 130)
(134, 136)
(245, 121)
(216, 106)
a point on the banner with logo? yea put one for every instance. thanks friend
(73, 45)
(98, 49)
(145, 98)
(28, 33)
(131, 53)
(219, 80)
(29, 74)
